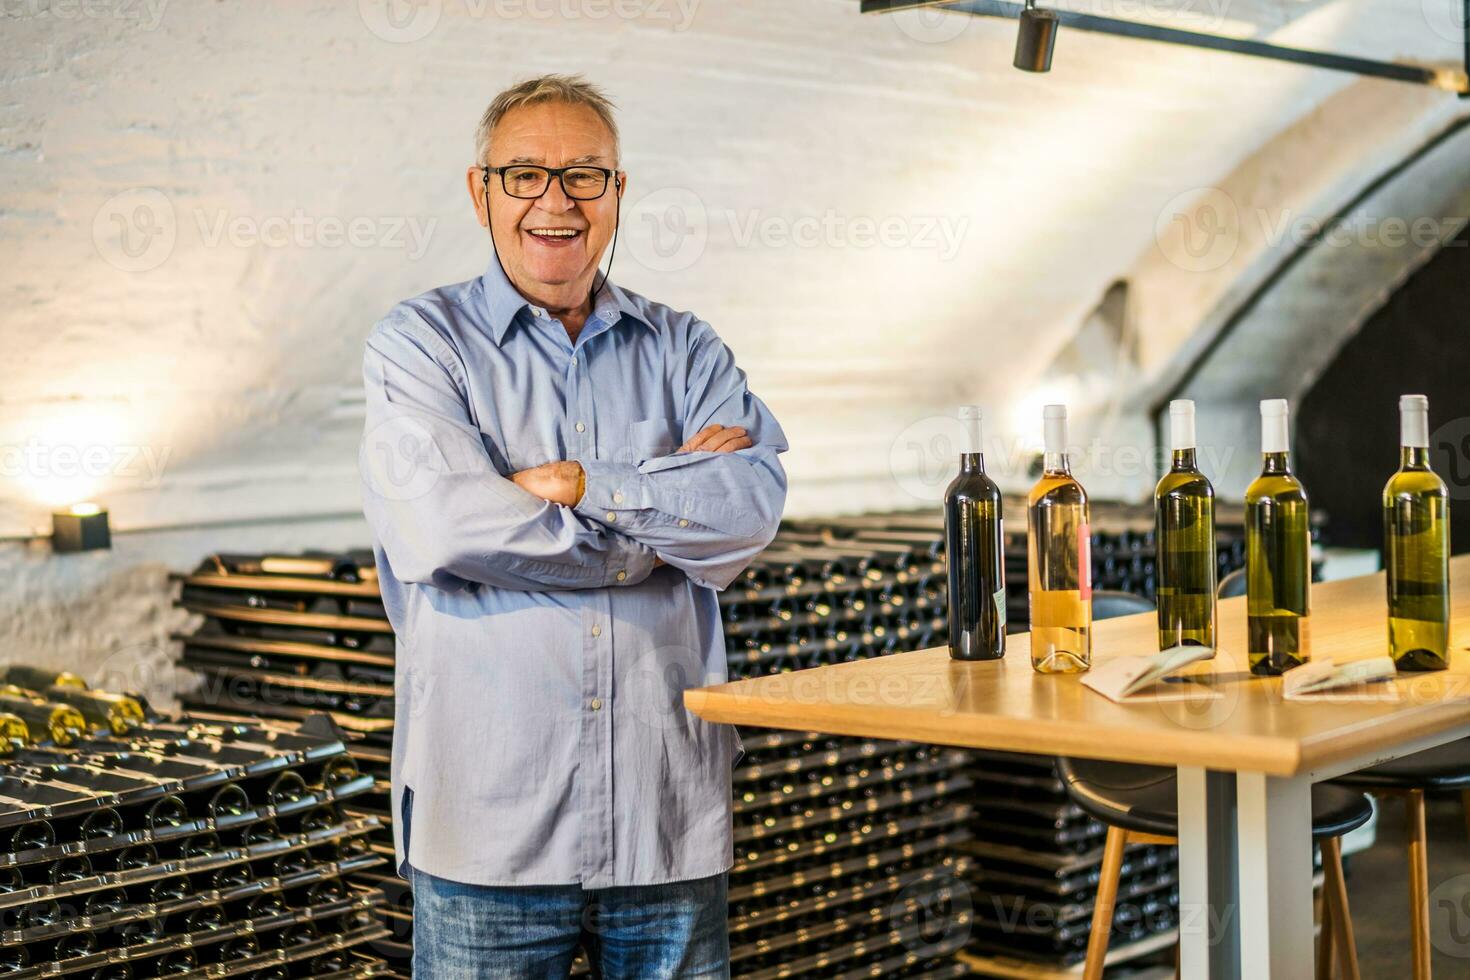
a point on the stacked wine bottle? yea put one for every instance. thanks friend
(845, 847)
(284, 637)
(138, 846)
(1029, 858)
(853, 856)
(845, 860)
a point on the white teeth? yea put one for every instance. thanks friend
(555, 232)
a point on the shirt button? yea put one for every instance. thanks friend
(622, 576)
(574, 358)
(683, 522)
(597, 631)
(536, 312)
(581, 427)
(596, 704)
(612, 518)
(618, 497)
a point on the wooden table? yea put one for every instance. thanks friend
(1246, 761)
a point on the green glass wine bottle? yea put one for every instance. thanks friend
(1184, 516)
(118, 713)
(1416, 548)
(39, 678)
(61, 723)
(1278, 554)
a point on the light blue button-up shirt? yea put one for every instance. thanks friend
(540, 733)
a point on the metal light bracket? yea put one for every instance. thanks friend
(1455, 80)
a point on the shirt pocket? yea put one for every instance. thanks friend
(652, 438)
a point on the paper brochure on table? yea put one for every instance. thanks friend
(1125, 679)
(1357, 680)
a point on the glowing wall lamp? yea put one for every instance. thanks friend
(81, 527)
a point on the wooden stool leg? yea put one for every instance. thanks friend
(1324, 935)
(1465, 805)
(1418, 883)
(1335, 908)
(1102, 908)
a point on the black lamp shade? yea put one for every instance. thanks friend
(1036, 39)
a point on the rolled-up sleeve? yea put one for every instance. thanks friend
(706, 513)
(442, 514)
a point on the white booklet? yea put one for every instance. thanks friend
(1126, 679)
(1357, 680)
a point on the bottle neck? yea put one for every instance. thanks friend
(1413, 458)
(1184, 460)
(1275, 463)
(972, 463)
(1056, 463)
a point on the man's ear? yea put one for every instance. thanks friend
(477, 181)
(620, 181)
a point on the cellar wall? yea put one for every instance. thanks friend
(1418, 342)
(207, 206)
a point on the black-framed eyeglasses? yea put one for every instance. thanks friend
(529, 182)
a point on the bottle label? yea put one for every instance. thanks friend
(1084, 561)
(1000, 606)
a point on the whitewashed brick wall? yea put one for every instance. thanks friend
(205, 206)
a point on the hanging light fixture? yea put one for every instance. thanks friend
(1036, 38)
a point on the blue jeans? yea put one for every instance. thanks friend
(675, 931)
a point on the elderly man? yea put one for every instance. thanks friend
(559, 475)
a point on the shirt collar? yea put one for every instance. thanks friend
(504, 302)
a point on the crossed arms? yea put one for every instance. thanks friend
(446, 518)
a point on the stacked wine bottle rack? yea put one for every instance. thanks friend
(845, 847)
(177, 847)
(1030, 859)
(288, 636)
(854, 857)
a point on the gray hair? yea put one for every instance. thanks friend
(571, 89)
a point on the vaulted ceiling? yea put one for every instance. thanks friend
(204, 213)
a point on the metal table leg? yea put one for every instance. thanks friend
(1275, 850)
(1209, 920)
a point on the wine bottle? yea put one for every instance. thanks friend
(229, 801)
(1278, 554)
(117, 713)
(31, 835)
(1416, 548)
(974, 546)
(101, 824)
(39, 678)
(1184, 515)
(341, 770)
(14, 733)
(1059, 559)
(61, 723)
(166, 813)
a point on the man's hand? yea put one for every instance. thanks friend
(718, 439)
(557, 482)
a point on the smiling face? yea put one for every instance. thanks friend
(550, 246)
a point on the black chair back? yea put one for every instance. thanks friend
(1232, 585)
(1108, 604)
